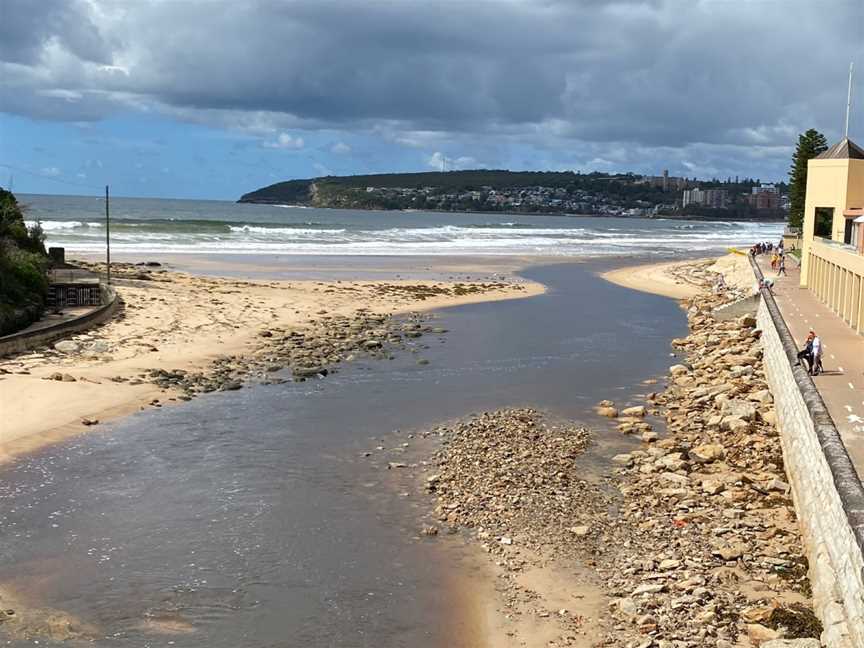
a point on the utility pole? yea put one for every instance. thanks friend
(107, 238)
(849, 100)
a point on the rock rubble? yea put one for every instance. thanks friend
(311, 352)
(709, 548)
(694, 531)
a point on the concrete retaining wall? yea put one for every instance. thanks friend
(26, 341)
(828, 494)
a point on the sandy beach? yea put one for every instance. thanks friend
(181, 321)
(676, 279)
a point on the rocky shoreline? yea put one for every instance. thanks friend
(313, 352)
(692, 534)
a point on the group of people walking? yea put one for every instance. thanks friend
(778, 261)
(765, 248)
(778, 255)
(813, 347)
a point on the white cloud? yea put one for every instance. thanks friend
(285, 141)
(438, 161)
(340, 148)
(51, 172)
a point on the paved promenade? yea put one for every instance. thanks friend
(842, 383)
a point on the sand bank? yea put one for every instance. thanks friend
(658, 278)
(173, 320)
(684, 279)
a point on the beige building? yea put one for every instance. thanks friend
(832, 258)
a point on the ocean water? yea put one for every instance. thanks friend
(148, 225)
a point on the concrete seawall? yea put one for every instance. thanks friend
(827, 491)
(26, 341)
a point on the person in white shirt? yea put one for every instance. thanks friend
(817, 356)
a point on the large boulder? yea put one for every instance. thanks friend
(739, 408)
(638, 411)
(67, 346)
(707, 452)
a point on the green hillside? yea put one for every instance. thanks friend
(23, 267)
(402, 190)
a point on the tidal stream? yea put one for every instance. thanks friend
(252, 519)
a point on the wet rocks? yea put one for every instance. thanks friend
(637, 411)
(707, 531)
(606, 408)
(308, 353)
(308, 372)
(694, 533)
(513, 474)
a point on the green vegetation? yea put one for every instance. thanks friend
(23, 267)
(810, 144)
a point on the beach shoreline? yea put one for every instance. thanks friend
(177, 321)
(657, 278)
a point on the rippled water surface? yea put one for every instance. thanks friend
(251, 518)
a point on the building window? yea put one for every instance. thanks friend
(823, 222)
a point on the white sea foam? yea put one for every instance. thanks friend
(283, 231)
(586, 237)
(53, 225)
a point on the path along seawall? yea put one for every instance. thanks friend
(35, 337)
(826, 489)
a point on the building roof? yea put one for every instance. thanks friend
(845, 149)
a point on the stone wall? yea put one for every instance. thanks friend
(828, 494)
(25, 341)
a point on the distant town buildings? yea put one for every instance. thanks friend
(666, 182)
(627, 195)
(714, 198)
(766, 196)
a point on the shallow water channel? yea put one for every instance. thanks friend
(251, 518)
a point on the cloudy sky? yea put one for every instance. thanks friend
(212, 98)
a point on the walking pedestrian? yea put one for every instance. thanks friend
(807, 352)
(816, 367)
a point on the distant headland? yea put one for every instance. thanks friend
(548, 192)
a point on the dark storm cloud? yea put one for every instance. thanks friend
(653, 73)
(27, 27)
